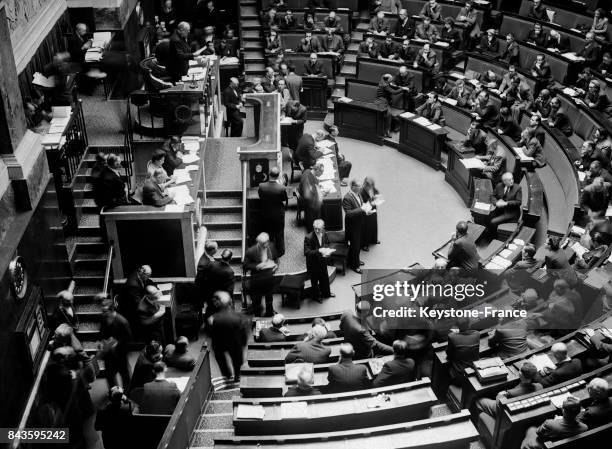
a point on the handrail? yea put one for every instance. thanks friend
(107, 271)
(245, 183)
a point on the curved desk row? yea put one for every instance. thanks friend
(334, 412)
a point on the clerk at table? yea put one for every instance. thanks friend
(180, 52)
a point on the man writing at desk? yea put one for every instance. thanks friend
(154, 192)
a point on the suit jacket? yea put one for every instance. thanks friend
(305, 151)
(522, 389)
(153, 195)
(202, 269)
(561, 122)
(109, 189)
(314, 259)
(77, 54)
(159, 397)
(308, 190)
(509, 342)
(379, 25)
(430, 33)
(314, 46)
(133, 291)
(491, 46)
(564, 371)
(220, 276)
(313, 69)
(514, 197)
(273, 198)
(308, 352)
(294, 84)
(552, 430)
(402, 29)
(228, 331)
(353, 215)
(590, 53)
(335, 44)
(488, 113)
(463, 254)
(178, 57)
(270, 335)
(143, 371)
(252, 258)
(297, 391)
(364, 344)
(396, 371)
(231, 100)
(511, 53)
(597, 413)
(477, 141)
(347, 376)
(181, 361)
(463, 349)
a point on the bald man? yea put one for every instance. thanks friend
(598, 410)
(260, 260)
(565, 367)
(345, 375)
(180, 52)
(78, 43)
(233, 102)
(228, 334)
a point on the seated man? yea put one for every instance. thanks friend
(556, 42)
(517, 275)
(397, 371)
(531, 147)
(538, 11)
(489, 44)
(359, 335)
(309, 44)
(427, 59)
(432, 109)
(463, 349)
(462, 252)
(476, 138)
(346, 375)
(154, 192)
(484, 110)
(344, 166)
(596, 251)
(313, 67)
(556, 429)
(311, 350)
(388, 50)
(509, 339)
(507, 124)
(494, 163)
(150, 314)
(276, 332)
(334, 43)
(332, 23)
(304, 385)
(598, 409)
(565, 367)
(176, 355)
(369, 48)
(289, 21)
(595, 197)
(590, 51)
(558, 119)
(426, 31)
(379, 25)
(159, 396)
(459, 93)
(306, 151)
(511, 53)
(527, 385)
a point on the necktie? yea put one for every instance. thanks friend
(505, 190)
(358, 198)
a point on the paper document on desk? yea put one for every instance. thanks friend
(174, 208)
(325, 143)
(542, 361)
(327, 186)
(181, 176)
(407, 115)
(181, 382)
(41, 80)
(294, 410)
(521, 154)
(422, 121)
(193, 62)
(577, 230)
(190, 158)
(345, 99)
(569, 91)
(52, 139)
(493, 266)
(579, 249)
(482, 206)
(192, 168)
(505, 253)
(504, 263)
(472, 162)
(246, 411)
(450, 101)
(196, 77)
(572, 56)
(558, 400)
(93, 55)
(101, 39)
(512, 247)
(166, 287)
(61, 112)
(286, 121)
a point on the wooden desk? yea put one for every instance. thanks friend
(299, 326)
(445, 432)
(424, 143)
(341, 411)
(360, 120)
(276, 356)
(314, 95)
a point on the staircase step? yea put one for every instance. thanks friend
(254, 57)
(87, 205)
(97, 251)
(254, 68)
(247, 3)
(227, 394)
(353, 47)
(87, 287)
(253, 35)
(89, 225)
(88, 331)
(248, 11)
(223, 194)
(205, 438)
(222, 217)
(250, 24)
(226, 237)
(350, 59)
(340, 81)
(219, 406)
(338, 92)
(91, 311)
(216, 421)
(253, 45)
(83, 190)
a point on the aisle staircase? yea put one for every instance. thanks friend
(252, 37)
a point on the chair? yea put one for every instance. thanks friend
(295, 163)
(299, 207)
(96, 75)
(337, 241)
(292, 288)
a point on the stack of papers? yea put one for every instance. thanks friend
(327, 186)
(407, 115)
(328, 169)
(442, 44)
(450, 101)
(326, 251)
(472, 162)
(165, 287)
(579, 249)
(504, 263)
(434, 127)
(521, 154)
(422, 121)
(345, 99)
(542, 361)
(181, 382)
(174, 208)
(181, 195)
(325, 143)
(101, 39)
(505, 253)
(482, 206)
(41, 80)
(577, 230)
(572, 56)
(190, 158)
(558, 400)
(93, 55)
(569, 91)
(181, 175)
(246, 411)
(286, 121)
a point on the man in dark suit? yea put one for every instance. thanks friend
(177, 356)
(133, 291)
(310, 350)
(357, 333)
(599, 409)
(316, 244)
(299, 115)
(313, 67)
(109, 188)
(345, 375)
(527, 373)
(153, 193)
(518, 275)
(233, 103)
(180, 52)
(590, 51)
(115, 333)
(484, 110)
(556, 429)
(354, 213)
(143, 368)
(565, 367)
(78, 44)
(462, 252)
(204, 292)
(403, 27)
(397, 371)
(220, 277)
(306, 152)
(275, 332)
(304, 385)
(310, 195)
(463, 348)
(273, 197)
(507, 198)
(261, 261)
(159, 396)
(228, 333)
(509, 339)
(476, 138)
